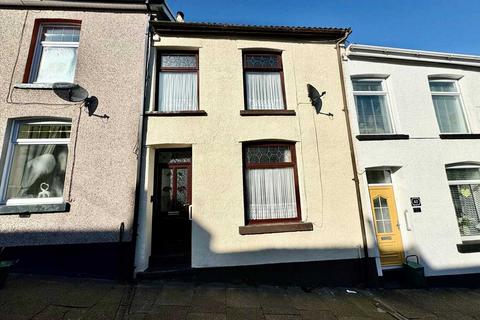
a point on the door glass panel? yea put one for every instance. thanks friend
(182, 186)
(382, 215)
(166, 196)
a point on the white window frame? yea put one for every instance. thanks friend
(39, 45)
(9, 159)
(384, 93)
(458, 94)
(462, 182)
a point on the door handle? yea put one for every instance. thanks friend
(190, 212)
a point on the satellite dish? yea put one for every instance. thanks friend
(91, 104)
(70, 92)
(74, 93)
(316, 99)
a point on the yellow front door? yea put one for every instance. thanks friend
(387, 227)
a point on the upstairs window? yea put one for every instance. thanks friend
(448, 106)
(465, 190)
(271, 183)
(263, 77)
(34, 172)
(372, 107)
(178, 82)
(55, 53)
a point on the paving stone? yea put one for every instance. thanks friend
(143, 299)
(59, 313)
(433, 302)
(397, 301)
(208, 298)
(206, 316)
(306, 301)
(244, 314)
(242, 298)
(110, 306)
(175, 295)
(337, 302)
(168, 312)
(317, 315)
(282, 317)
(275, 300)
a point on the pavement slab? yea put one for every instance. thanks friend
(41, 298)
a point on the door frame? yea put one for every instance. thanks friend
(395, 207)
(157, 176)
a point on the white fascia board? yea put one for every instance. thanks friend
(358, 50)
(75, 4)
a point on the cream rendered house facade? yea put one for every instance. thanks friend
(416, 123)
(239, 169)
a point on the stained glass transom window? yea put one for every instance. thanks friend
(262, 61)
(179, 61)
(269, 154)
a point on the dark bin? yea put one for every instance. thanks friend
(414, 272)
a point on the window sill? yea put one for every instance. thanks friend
(34, 208)
(267, 113)
(459, 136)
(46, 86)
(195, 113)
(373, 137)
(275, 228)
(469, 247)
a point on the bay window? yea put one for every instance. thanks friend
(55, 53)
(34, 171)
(263, 80)
(372, 106)
(448, 106)
(178, 82)
(271, 188)
(465, 190)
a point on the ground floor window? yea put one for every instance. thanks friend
(271, 183)
(34, 171)
(465, 190)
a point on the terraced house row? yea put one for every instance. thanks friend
(136, 144)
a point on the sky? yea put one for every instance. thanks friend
(436, 25)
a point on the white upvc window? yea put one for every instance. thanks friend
(373, 114)
(55, 56)
(464, 185)
(448, 106)
(34, 170)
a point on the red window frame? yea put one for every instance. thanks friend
(278, 68)
(167, 69)
(35, 38)
(291, 164)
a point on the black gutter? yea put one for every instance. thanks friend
(228, 30)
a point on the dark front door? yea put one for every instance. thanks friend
(171, 234)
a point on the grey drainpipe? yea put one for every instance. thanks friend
(352, 154)
(141, 140)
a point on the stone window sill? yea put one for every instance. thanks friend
(275, 228)
(195, 113)
(459, 136)
(46, 86)
(469, 247)
(373, 137)
(267, 113)
(34, 209)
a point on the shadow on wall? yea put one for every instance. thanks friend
(113, 260)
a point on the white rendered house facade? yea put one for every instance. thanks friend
(415, 120)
